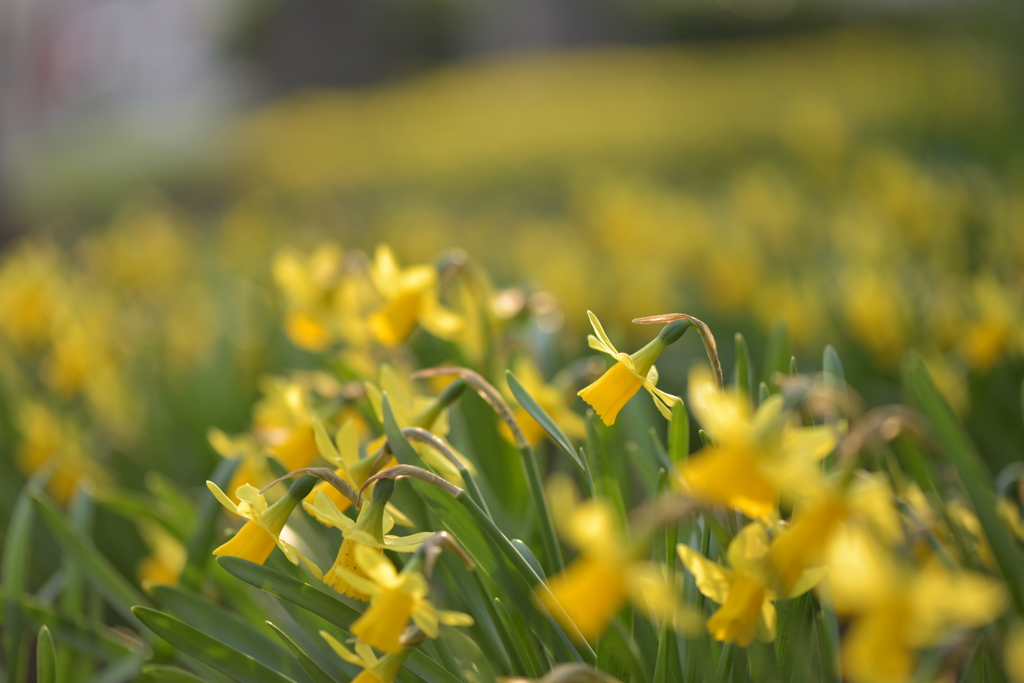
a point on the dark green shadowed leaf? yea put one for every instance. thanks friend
(954, 444)
(78, 633)
(705, 438)
(314, 600)
(208, 650)
(762, 393)
(204, 533)
(100, 572)
(316, 674)
(744, 376)
(543, 419)
(324, 605)
(618, 655)
(46, 658)
(679, 434)
(169, 674)
(210, 618)
(776, 354)
(17, 551)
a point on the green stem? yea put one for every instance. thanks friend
(554, 563)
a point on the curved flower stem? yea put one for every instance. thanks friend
(702, 329)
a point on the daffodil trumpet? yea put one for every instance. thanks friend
(612, 390)
(257, 538)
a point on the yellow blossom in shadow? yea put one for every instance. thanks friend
(258, 536)
(51, 441)
(375, 670)
(394, 599)
(550, 397)
(410, 298)
(756, 456)
(163, 565)
(610, 393)
(369, 530)
(744, 589)
(309, 286)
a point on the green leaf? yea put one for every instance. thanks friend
(135, 507)
(324, 605)
(46, 657)
(169, 674)
(17, 553)
(543, 419)
(311, 599)
(207, 649)
(76, 632)
(705, 438)
(763, 394)
(831, 364)
(204, 534)
(744, 375)
(679, 434)
(233, 631)
(98, 569)
(618, 655)
(316, 674)
(954, 444)
(776, 354)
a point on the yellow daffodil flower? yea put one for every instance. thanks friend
(258, 536)
(163, 565)
(896, 609)
(283, 421)
(309, 286)
(369, 530)
(411, 297)
(343, 452)
(618, 384)
(606, 574)
(382, 670)
(549, 397)
(394, 599)
(866, 499)
(755, 456)
(48, 440)
(413, 410)
(744, 589)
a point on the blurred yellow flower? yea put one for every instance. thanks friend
(617, 385)
(411, 297)
(897, 609)
(309, 287)
(549, 397)
(606, 574)
(756, 456)
(745, 589)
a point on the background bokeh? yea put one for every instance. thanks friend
(804, 172)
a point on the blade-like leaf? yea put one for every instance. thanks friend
(204, 533)
(954, 444)
(17, 551)
(207, 649)
(324, 605)
(234, 632)
(743, 376)
(317, 674)
(104, 577)
(543, 419)
(679, 434)
(169, 674)
(46, 657)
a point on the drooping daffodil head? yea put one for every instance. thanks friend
(395, 598)
(612, 390)
(369, 530)
(262, 532)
